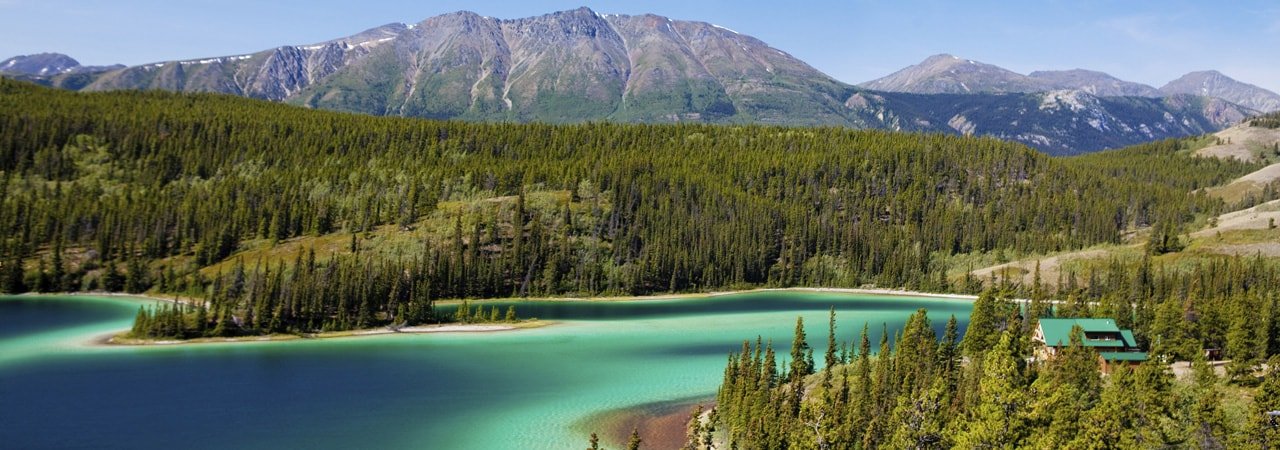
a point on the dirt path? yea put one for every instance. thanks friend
(1255, 218)
(1050, 266)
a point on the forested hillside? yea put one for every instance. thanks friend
(232, 199)
(934, 386)
(928, 388)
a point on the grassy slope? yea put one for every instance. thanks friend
(434, 228)
(1245, 232)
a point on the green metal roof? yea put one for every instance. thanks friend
(1057, 332)
(1124, 356)
(1128, 338)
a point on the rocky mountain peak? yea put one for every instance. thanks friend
(40, 64)
(578, 65)
(1213, 83)
(1094, 82)
(950, 74)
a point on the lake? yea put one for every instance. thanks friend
(529, 389)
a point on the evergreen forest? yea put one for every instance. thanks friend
(926, 387)
(278, 219)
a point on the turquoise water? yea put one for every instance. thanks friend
(527, 389)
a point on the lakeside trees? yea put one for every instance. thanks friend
(915, 394)
(165, 192)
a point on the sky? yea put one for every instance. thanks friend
(1146, 41)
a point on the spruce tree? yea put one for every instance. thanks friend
(1206, 421)
(800, 365)
(693, 432)
(998, 420)
(112, 280)
(14, 282)
(634, 442)
(1264, 428)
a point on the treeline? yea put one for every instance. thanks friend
(156, 186)
(984, 392)
(1271, 121)
(341, 294)
(1231, 304)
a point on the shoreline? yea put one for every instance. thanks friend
(615, 298)
(694, 295)
(116, 339)
(661, 424)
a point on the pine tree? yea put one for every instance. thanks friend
(112, 281)
(141, 325)
(998, 420)
(921, 420)
(1264, 428)
(986, 323)
(693, 433)
(1207, 423)
(801, 365)
(634, 442)
(831, 359)
(14, 282)
(43, 282)
(136, 279)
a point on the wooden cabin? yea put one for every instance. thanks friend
(1115, 346)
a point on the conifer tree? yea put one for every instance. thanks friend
(1264, 428)
(634, 442)
(801, 366)
(14, 282)
(998, 420)
(1206, 421)
(693, 432)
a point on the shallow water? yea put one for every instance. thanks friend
(528, 389)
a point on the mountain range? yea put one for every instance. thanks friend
(947, 74)
(578, 65)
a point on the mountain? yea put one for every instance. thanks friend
(47, 64)
(578, 65)
(39, 64)
(1057, 122)
(1214, 84)
(561, 67)
(1093, 82)
(947, 74)
(575, 66)
(272, 74)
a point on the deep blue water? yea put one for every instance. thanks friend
(521, 389)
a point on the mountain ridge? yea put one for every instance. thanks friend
(948, 74)
(1214, 84)
(48, 64)
(579, 65)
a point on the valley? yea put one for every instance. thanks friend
(579, 65)
(537, 225)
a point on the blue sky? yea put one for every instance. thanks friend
(1151, 42)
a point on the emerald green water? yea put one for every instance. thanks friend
(527, 389)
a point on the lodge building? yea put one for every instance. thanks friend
(1115, 346)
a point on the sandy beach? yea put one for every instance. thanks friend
(683, 296)
(118, 339)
